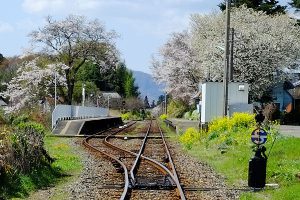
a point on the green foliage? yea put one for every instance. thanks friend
(195, 115)
(237, 122)
(191, 115)
(146, 102)
(160, 99)
(129, 88)
(23, 122)
(3, 119)
(8, 70)
(90, 89)
(17, 119)
(19, 185)
(163, 116)
(187, 115)
(27, 145)
(36, 127)
(226, 132)
(136, 115)
(92, 73)
(126, 116)
(124, 82)
(120, 78)
(189, 137)
(295, 4)
(271, 7)
(177, 108)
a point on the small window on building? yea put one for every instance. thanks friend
(241, 87)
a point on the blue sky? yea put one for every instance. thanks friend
(143, 25)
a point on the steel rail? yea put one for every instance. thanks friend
(137, 161)
(154, 163)
(179, 188)
(126, 184)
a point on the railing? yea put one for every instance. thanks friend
(69, 112)
(170, 124)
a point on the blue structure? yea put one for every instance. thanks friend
(281, 96)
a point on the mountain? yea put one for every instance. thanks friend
(147, 86)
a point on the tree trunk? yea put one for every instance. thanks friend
(70, 86)
(70, 92)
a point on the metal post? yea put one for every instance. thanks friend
(83, 94)
(226, 66)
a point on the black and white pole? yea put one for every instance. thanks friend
(258, 163)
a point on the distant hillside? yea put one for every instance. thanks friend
(147, 86)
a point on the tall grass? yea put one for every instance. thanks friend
(67, 163)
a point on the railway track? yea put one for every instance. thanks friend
(146, 166)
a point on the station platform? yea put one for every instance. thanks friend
(87, 126)
(183, 124)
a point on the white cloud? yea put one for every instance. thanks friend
(86, 4)
(154, 17)
(5, 27)
(58, 6)
(35, 6)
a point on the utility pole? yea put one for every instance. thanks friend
(166, 104)
(55, 89)
(226, 66)
(231, 55)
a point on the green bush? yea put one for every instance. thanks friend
(37, 127)
(187, 115)
(177, 108)
(237, 122)
(28, 149)
(189, 137)
(223, 132)
(126, 116)
(136, 115)
(15, 120)
(191, 115)
(195, 115)
(163, 116)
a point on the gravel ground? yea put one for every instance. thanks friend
(97, 174)
(93, 181)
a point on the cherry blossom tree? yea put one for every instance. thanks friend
(32, 82)
(263, 46)
(74, 41)
(177, 67)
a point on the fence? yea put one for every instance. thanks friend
(67, 112)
